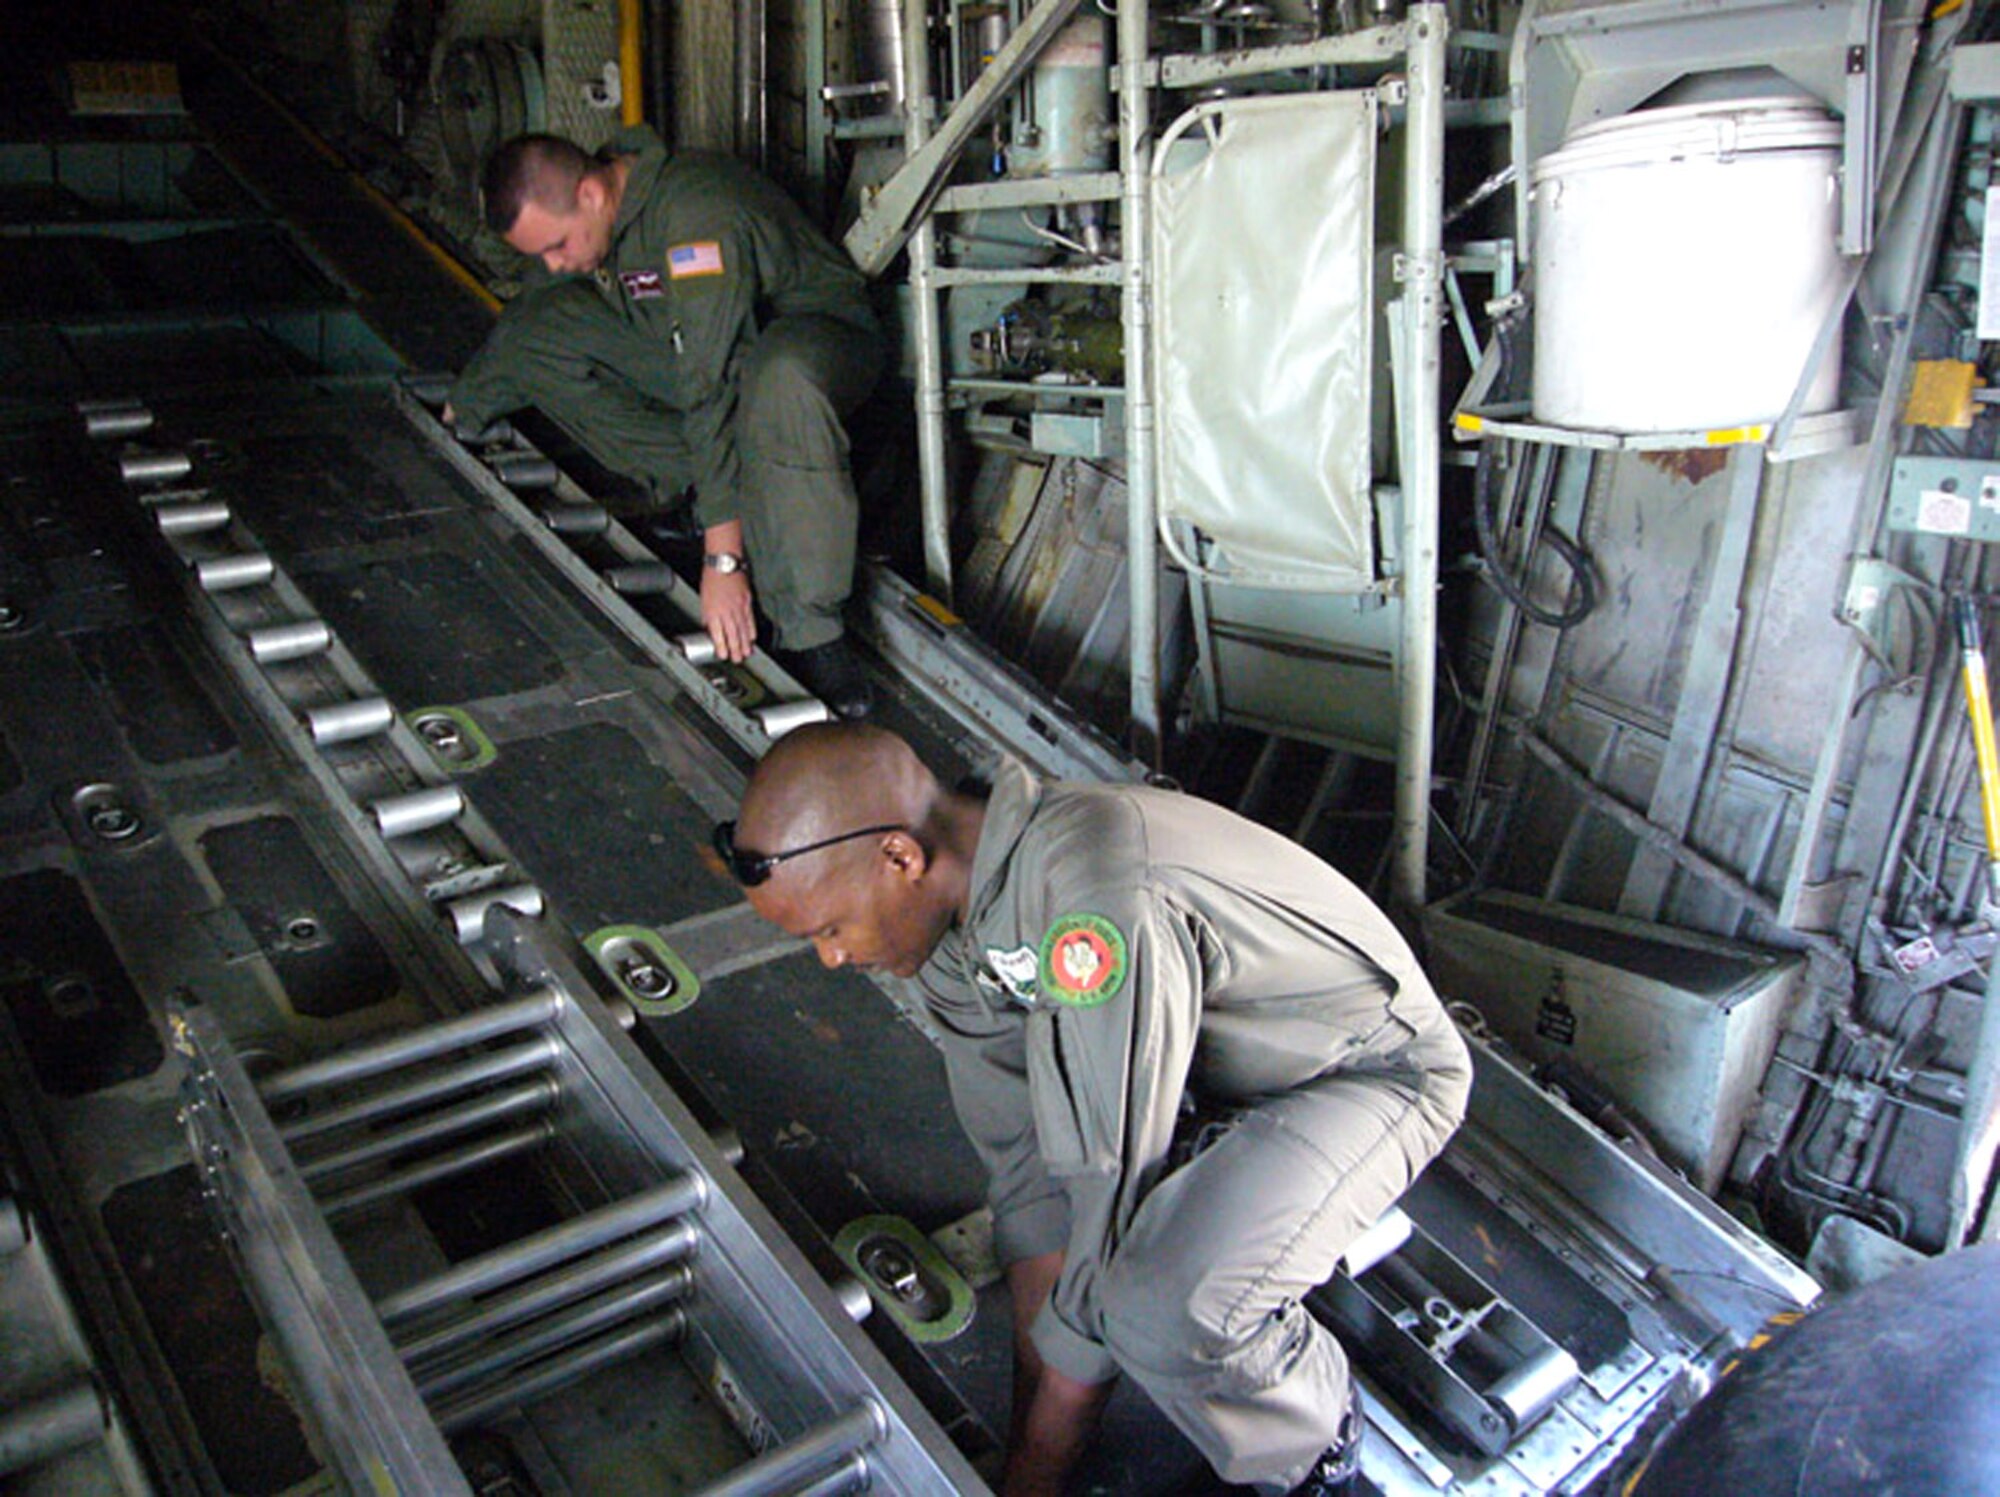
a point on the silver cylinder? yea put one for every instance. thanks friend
(728, 1143)
(468, 915)
(783, 1468)
(540, 1250)
(698, 648)
(525, 470)
(1532, 1388)
(446, 1166)
(427, 1089)
(558, 1371)
(419, 811)
(343, 722)
(549, 1291)
(36, 1431)
(154, 467)
(502, 1106)
(295, 641)
(577, 519)
(852, 1475)
(103, 420)
(641, 579)
(854, 1298)
(221, 574)
(191, 517)
(782, 717)
(13, 1227)
(601, 1313)
(398, 1050)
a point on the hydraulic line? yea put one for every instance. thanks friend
(1485, 524)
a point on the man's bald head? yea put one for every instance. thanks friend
(829, 778)
(896, 869)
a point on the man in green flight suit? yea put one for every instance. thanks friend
(1091, 955)
(700, 331)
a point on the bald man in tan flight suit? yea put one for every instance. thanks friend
(1091, 955)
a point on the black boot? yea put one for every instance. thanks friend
(1335, 1472)
(831, 673)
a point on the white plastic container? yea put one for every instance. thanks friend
(1684, 261)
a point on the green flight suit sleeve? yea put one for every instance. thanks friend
(985, 1064)
(1106, 1069)
(530, 349)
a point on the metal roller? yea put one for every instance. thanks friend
(446, 1166)
(428, 1089)
(468, 915)
(558, 1244)
(524, 470)
(559, 1371)
(550, 1291)
(221, 574)
(783, 717)
(503, 1106)
(642, 579)
(577, 519)
(154, 467)
(1528, 1391)
(419, 811)
(587, 1318)
(295, 641)
(852, 1475)
(35, 1431)
(529, 1011)
(13, 1226)
(781, 1470)
(191, 517)
(343, 722)
(103, 420)
(699, 648)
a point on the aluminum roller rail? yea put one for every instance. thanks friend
(669, 1250)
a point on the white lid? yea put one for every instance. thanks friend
(1718, 129)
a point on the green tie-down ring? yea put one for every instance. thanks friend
(907, 1276)
(646, 969)
(456, 742)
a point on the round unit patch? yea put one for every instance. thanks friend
(1083, 961)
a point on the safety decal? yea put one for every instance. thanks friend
(1016, 971)
(1083, 961)
(703, 257)
(641, 285)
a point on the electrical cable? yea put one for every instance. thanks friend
(1484, 500)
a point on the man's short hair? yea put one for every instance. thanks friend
(539, 169)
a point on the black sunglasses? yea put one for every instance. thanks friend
(752, 868)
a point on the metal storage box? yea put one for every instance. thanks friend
(1677, 1026)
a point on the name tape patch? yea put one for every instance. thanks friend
(642, 285)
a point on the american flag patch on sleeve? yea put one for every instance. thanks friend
(703, 257)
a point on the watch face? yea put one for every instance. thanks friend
(724, 562)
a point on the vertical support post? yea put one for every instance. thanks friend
(929, 330)
(815, 19)
(1142, 573)
(1423, 246)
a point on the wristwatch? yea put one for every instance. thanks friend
(724, 562)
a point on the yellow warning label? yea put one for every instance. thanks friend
(1729, 436)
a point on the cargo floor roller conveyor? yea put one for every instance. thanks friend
(666, 1247)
